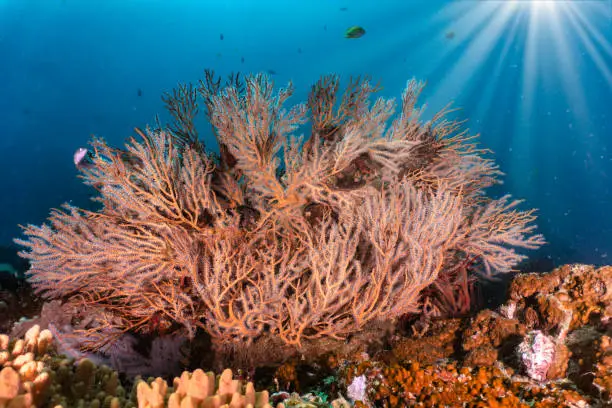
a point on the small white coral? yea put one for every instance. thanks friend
(356, 391)
(537, 352)
(509, 310)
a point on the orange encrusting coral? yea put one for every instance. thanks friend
(455, 386)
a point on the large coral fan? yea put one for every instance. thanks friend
(276, 238)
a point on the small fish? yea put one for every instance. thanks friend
(299, 50)
(139, 92)
(343, 8)
(242, 59)
(83, 158)
(271, 72)
(354, 32)
(449, 35)
(221, 37)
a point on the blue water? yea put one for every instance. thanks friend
(535, 81)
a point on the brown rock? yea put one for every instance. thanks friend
(558, 368)
(485, 355)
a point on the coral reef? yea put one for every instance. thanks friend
(602, 380)
(514, 358)
(277, 241)
(560, 302)
(554, 326)
(450, 385)
(82, 383)
(32, 375)
(485, 335)
(158, 355)
(564, 299)
(537, 353)
(339, 266)
(439, 342)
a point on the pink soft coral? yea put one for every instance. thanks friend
(317, 242)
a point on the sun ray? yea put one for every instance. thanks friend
(589, 37)
(492, 18)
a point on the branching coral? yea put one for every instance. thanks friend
(275, 237)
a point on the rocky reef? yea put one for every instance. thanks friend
(548, 345)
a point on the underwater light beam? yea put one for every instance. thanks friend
(591, 40)
(543, 4)
(570, 74)
(491, 25)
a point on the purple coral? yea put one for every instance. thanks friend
(537, 352)
(356, 391)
